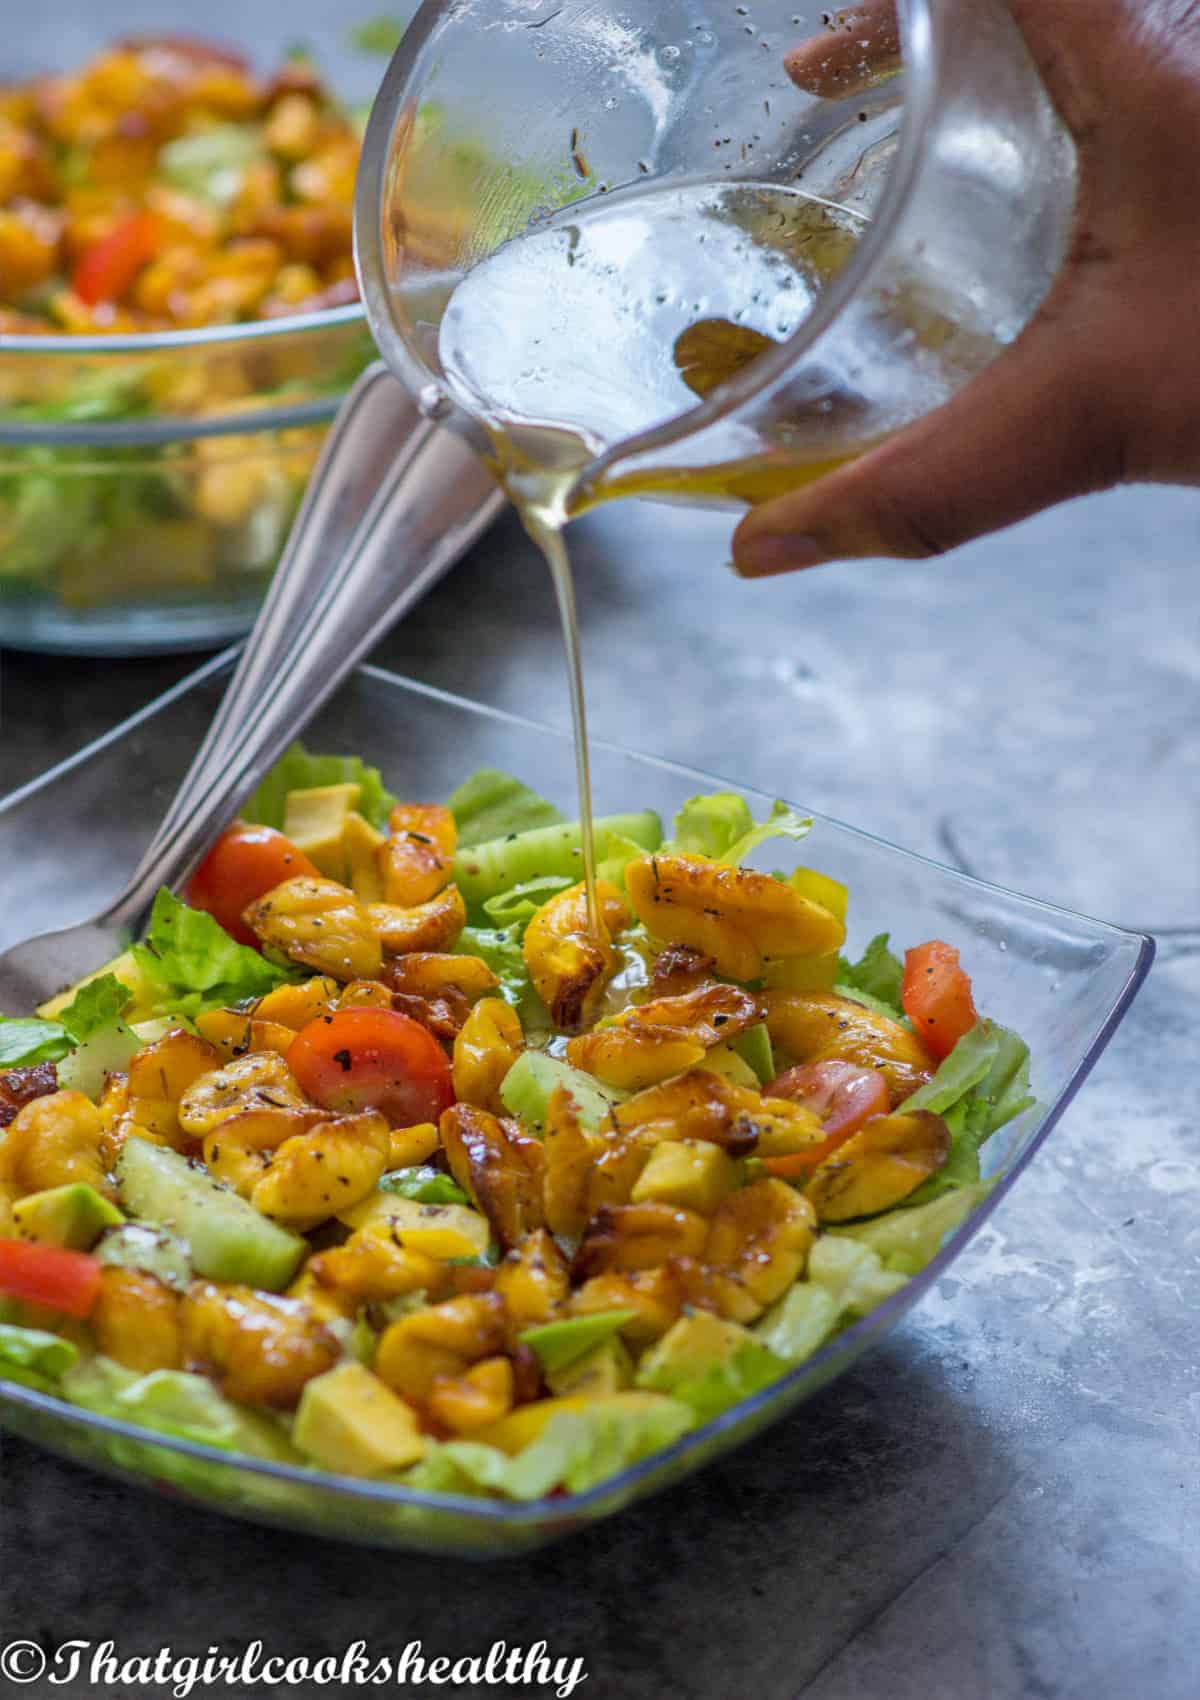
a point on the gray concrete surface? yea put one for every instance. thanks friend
(1003, 1502)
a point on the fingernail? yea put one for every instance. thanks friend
(768, 553)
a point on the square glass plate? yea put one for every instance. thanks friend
(67, 841)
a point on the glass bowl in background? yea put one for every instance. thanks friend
(147, 483)
(1063, 981)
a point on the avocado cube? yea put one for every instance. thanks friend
(350, 1422)
(607, 1368)
(72, 1216)
(724, 1060)
(689, 1174)
(442, 1231)
(315, 821)
(361, 842)
(689, 1347)
(127, 970)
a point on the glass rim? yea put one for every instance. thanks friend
(200, 336)
(560, 1507)
(923, 26)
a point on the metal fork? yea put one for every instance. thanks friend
(393, 502)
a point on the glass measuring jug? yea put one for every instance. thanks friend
(619, 249)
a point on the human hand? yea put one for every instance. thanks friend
(1103, 386)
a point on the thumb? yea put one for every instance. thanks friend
(1020, 437)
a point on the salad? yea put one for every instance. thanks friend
(374, 1156)
(164, 185)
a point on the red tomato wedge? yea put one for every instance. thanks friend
(936, 995)
(243, 865)
(68, 1281)
(373, 1059)
(107, 268)
(842, 1094)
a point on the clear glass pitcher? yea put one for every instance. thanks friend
(939, 180)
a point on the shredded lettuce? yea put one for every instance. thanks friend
(782, 822)
(97, 1004)
(426, 1184)
(719, 824)
(909, 1237)
(576, 1450)
(844, 1279)
(716, 1387)
(875, 979)
(299, 770)
(519, 904)
(34, 1357)
(707, 825)
(25, 1040)
(491, 804)
(500, 948)
(197, 964)
(178, 1403)
(558, 1344)
(981, 1085)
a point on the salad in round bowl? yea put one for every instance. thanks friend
(179, 320)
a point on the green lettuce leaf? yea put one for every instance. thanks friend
(194, 960)
(576, 1450)
(558, 1344)
(875, 978)
(36, 1353)
(907, 1238)
(844, 1280)
(708, 824)
(980, 1086)
(520, 903)
(500, 948)
(719, 1386)
(299, 770)
(95, 1005)
(491, 804)
(782, 822)
(426, 1184)
(719, 824)
(177, 1403)
(25, 1040)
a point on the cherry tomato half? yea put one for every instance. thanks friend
(108, 267)
(373, 1059)
(243, 865)
(842, 1094)
(68, 1281)
(936, 994)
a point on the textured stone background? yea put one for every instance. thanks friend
(1003, 1500)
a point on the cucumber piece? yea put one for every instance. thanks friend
(483, 870)
(526, 1088)
(754, 1047)
(558, 1344)
(136, 1245)
(108, 1051)
(228, 1239)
